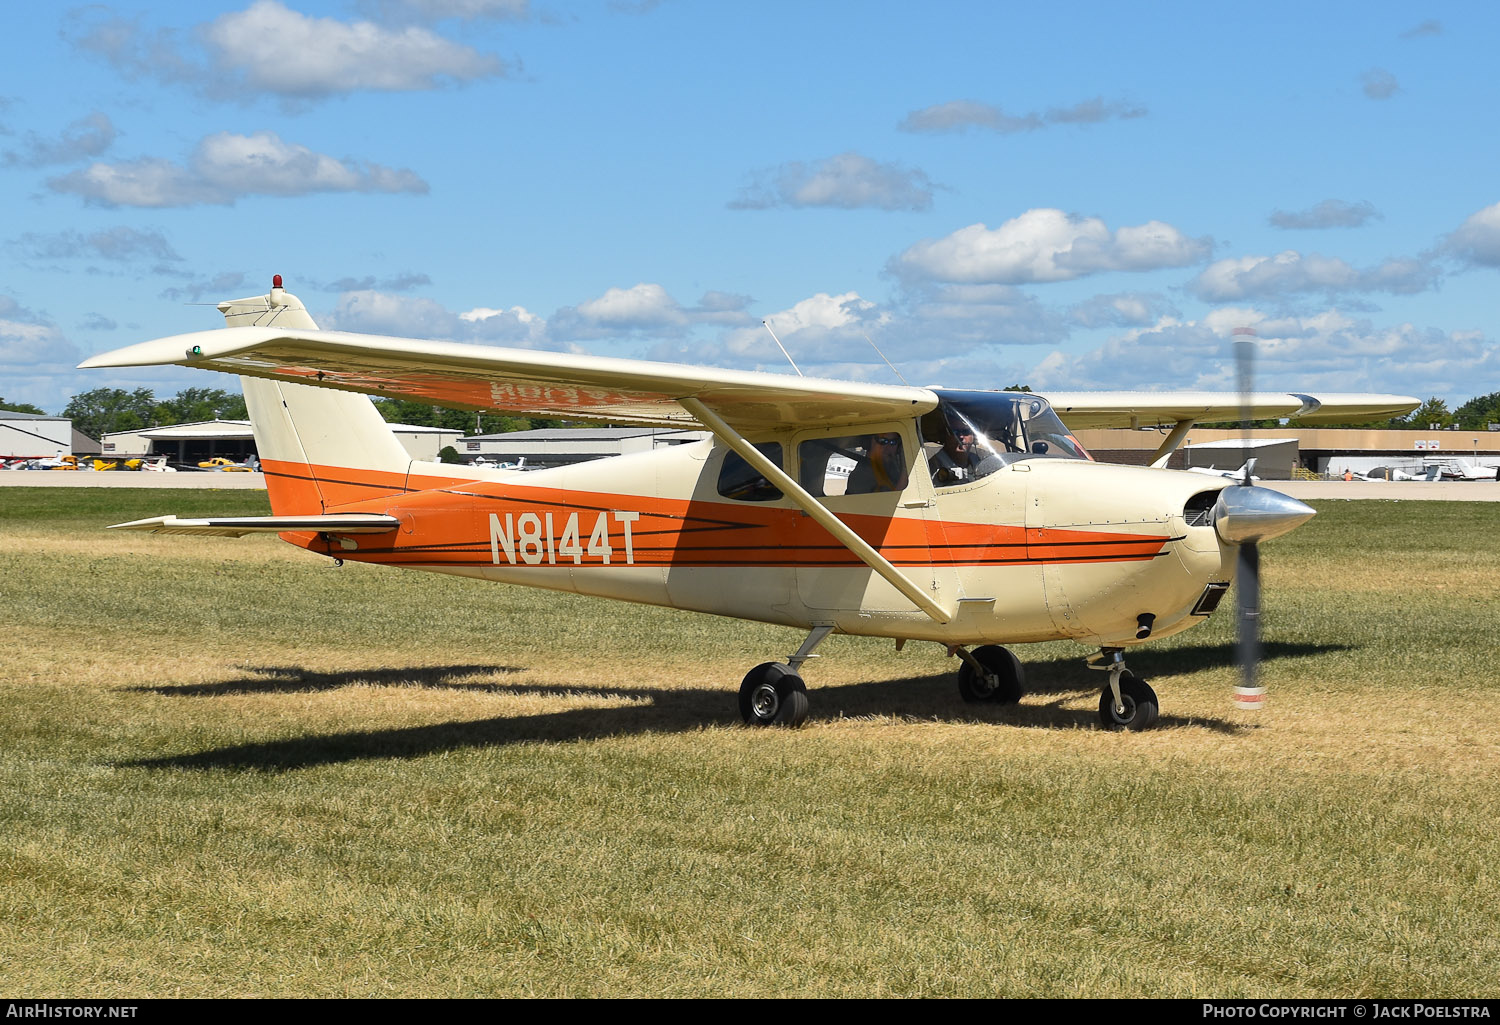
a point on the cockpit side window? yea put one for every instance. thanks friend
(744, 483)
(959, 451)
(972, 434)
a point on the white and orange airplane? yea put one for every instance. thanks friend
(968, 518)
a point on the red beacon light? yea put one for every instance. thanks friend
(275, 280)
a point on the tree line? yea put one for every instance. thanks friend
(110, 410)
(106, 410)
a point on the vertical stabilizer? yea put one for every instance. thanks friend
(320, 448)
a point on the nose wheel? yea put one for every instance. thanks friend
(1137, 708)
(1128, 702)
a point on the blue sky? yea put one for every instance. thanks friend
(1067, 195)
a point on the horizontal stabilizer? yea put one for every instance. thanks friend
(239, 526)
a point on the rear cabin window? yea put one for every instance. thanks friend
(744, 483)
(859, 464)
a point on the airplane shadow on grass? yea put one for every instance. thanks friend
(1050, 685)
(296, 680)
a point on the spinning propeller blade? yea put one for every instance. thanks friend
(1249, 694)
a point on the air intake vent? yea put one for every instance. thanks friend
(1200, 508)
(1210, 598)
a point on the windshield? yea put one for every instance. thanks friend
(972, 434)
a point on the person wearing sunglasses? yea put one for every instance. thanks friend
(963, 457)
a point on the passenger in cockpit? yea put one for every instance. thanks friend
(884, 469)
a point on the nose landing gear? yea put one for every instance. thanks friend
(1127, 702)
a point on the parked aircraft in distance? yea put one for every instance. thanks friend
(1245, 473)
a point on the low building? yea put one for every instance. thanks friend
(1320, 450)
(184, 443)
(1275, 458)
(561, 446)
(425, 443)
(37, 436)
(193, 443)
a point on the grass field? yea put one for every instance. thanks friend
(229, 768)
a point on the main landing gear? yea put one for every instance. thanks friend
(989, 673)
(1127, 702)
(773, 694)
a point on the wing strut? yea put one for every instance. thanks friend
(1170, 443)
(810, 505)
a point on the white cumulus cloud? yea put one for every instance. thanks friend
(1330, 213)
(270, 48)
(1047, 245)
(87, 137)
(1477, 240)
(1121, 309)
(382, 313)
(962, 115)
(643, 306)
(438, 10)
(285, 52)
(1289, 272)
(1379, 84)
(848, 181)
(30, 345)
(119, 243)
(1329, 350)
(225, 167)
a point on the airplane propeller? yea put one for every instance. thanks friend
(1246, 515)
(1248, 695)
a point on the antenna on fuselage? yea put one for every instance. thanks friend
(767, 325)
(882, 356)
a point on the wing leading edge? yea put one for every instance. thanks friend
(524, 380)
(628, 391)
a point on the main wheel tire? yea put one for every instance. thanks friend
(1010, 684)
(772, 695)
(1139, 699)
(795, 708)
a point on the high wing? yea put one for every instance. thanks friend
(1148, 409)
(524, 380)
(628, 391)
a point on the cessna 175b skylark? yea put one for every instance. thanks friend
(967, 518)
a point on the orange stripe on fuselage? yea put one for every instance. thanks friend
(297, 489)
(448, 523)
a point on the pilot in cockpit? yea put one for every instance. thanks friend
(962, 458)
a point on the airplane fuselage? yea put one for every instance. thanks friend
(1041, 549)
